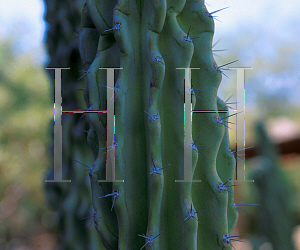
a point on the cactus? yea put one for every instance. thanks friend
(275, 194)
(149, 40)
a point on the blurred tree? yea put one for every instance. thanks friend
(23, 85)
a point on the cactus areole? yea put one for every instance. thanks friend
(157, 182)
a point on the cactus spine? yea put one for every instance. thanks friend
(150, 209)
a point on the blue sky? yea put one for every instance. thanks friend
(24, 18)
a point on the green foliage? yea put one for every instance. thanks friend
(24, 106)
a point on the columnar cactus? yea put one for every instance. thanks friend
(275, 194)
(150, 40)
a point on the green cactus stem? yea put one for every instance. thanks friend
(153, 41)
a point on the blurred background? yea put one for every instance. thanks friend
(260, 34)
